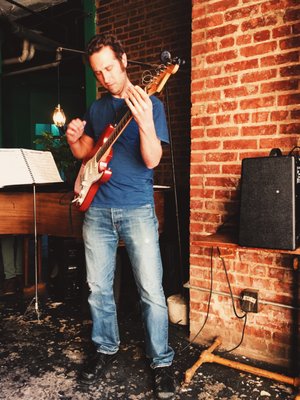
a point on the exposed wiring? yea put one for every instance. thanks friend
(294, 148)
(229, 286)
(243, 316)
(233, 306)
(224, 294)
(242, 338)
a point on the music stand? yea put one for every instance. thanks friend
(29, 167)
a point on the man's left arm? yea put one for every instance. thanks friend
(141, 108)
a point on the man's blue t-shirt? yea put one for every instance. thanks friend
(131, 182)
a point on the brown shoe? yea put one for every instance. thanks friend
(10, 287)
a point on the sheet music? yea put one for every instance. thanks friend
(42, 166)
(24, 166)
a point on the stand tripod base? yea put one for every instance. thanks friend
(207, 356)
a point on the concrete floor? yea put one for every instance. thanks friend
(43, 343)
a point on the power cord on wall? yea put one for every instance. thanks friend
(292, 150)
(243, 316)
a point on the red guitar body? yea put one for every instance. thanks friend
(93, 173)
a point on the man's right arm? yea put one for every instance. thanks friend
(80, 143)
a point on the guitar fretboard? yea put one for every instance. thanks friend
(154, 86)
(114, 135)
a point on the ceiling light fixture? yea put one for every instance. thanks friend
(59, 117)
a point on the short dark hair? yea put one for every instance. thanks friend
(100, 40)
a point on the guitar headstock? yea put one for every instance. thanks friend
(158, 82)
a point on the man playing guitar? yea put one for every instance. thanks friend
(122, 208)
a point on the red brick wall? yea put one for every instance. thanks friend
(245, 101)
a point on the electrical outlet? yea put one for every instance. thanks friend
(249, 300)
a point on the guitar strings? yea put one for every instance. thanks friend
(147, 77)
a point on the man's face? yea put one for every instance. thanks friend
(110, 71)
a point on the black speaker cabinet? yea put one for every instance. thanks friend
(269, 203)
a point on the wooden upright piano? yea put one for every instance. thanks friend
(55, 214)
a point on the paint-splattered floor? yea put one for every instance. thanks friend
(40, 359)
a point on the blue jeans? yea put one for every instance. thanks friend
(12, 249)
(138, 228)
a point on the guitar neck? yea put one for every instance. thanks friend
(154, 87)
(114, 135)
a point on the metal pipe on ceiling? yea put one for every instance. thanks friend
(32, 69)
(27, 54)
(36, 68)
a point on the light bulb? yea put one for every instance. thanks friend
(59, 117)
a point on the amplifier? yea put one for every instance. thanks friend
(269, 202)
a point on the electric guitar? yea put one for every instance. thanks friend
(94, 171)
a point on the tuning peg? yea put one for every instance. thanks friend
(165, 57)
(179, 61)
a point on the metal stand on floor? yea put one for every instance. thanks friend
(208, 356)
(35, 300)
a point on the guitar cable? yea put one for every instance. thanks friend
(175, 193)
